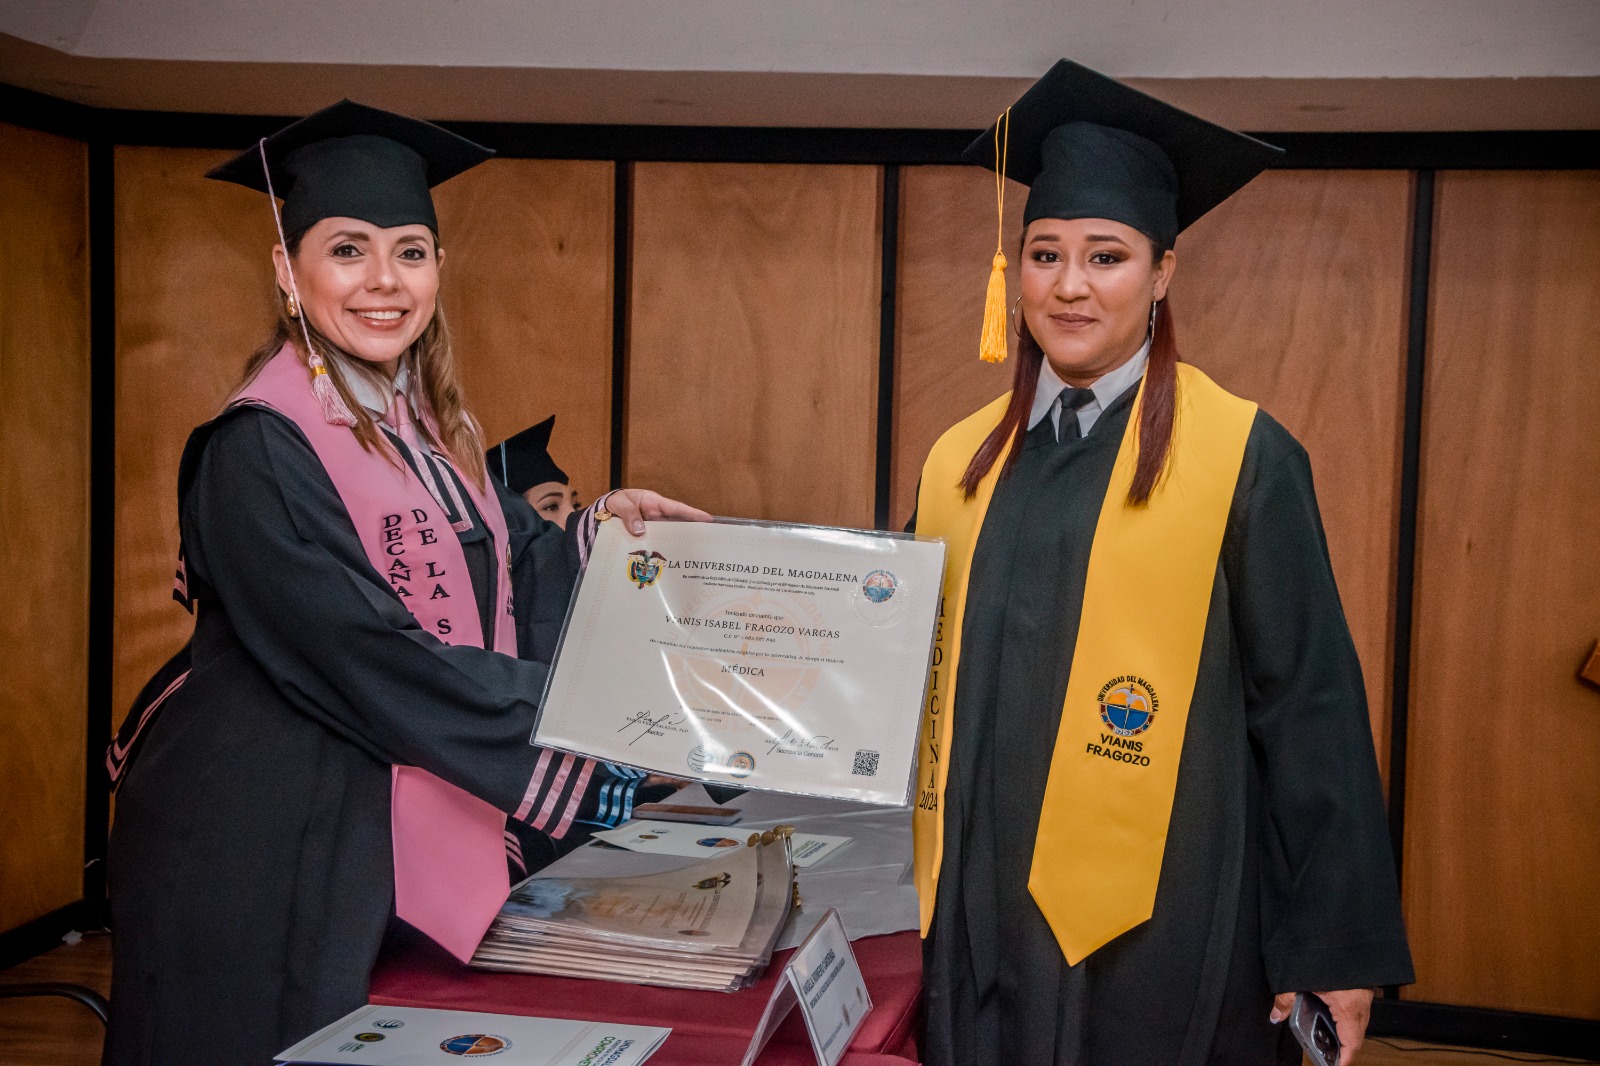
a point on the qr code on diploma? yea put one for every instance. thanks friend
(866, 764)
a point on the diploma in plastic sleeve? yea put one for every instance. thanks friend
(758, 655)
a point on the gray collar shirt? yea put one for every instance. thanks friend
(1047, 400)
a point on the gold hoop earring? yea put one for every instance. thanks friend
(1015, 327)
(292, 306)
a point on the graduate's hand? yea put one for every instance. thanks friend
(636, 506)
(1351, 1009)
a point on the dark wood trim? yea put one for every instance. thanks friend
(102, 515)
(1421, 280)
(44, 933)
(1437, 1023)
(889, 208)
(621, 275)
(1473, 150)
(1491, 149)
(48, 114)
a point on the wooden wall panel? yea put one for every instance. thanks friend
(527, 287)
(1294, 294)
(44, 512)
(194, 298)
(752, 385)
(1502, 843)
(947, 239)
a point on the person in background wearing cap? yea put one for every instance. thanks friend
(353, 730)
(1148, 807)
(535, 492)
(522, 463)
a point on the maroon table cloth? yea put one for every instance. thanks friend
(708, 1028)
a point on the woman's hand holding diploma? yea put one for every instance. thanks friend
(636, 506)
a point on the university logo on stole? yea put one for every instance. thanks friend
(1128, 705)
(644, 567)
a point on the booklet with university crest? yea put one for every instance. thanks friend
(414, 1036)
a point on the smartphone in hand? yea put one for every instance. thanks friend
(1312, 1025)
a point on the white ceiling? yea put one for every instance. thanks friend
(1283, 64)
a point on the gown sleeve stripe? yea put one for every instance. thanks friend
(616, 796)
(627, 802)
(180, 582)
(532, 793)
(514, 852)
(575, 801)
(542, 819)
(602, 814)
(117, 753)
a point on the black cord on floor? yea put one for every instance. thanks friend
(1466, 1051)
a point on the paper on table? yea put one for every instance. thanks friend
(869, 882)
(686, 838)
(811, 848)
(412, 1036)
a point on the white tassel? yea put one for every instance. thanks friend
(322, 386)
(334, 410)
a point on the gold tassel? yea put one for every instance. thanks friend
(992, 349)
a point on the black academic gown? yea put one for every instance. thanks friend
(250, 861)
(1277, 874)
(539, 618)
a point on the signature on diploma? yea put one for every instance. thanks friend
(792, 743)
(643, 724)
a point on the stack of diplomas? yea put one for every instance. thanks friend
(708, 926)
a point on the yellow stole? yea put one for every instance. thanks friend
(1108, 799)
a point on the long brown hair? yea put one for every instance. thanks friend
(431, 363)
(1158, 408)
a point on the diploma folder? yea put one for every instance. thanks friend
(756, 655)
(414, 1036)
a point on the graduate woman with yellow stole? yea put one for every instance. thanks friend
(1148, 806)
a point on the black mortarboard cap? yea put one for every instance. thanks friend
(353, 161)
(523, 461)
(1090, 147)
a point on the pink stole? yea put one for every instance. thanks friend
(450, 874)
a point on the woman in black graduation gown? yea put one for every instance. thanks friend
(1079, 906)
(250, 863)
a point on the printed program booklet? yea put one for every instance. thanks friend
(413, 1036)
